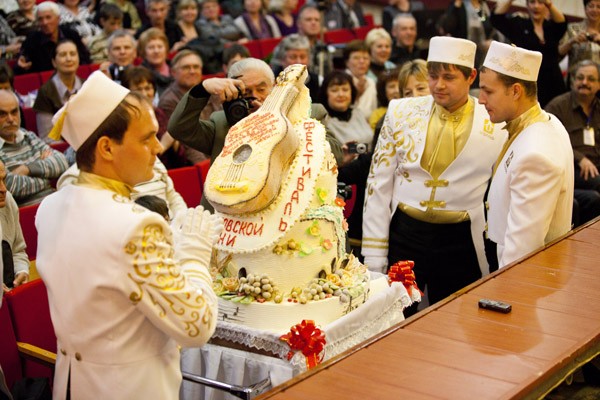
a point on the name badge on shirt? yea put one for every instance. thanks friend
(588, 136)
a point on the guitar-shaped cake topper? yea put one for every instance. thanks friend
(246, 177)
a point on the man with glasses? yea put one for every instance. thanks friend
(579, 111)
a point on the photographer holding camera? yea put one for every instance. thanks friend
(249, 82)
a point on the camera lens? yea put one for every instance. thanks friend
(361, 148)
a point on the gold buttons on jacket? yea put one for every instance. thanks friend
(63, 352)
(78, 356)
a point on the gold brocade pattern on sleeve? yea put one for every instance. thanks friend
(159, 280)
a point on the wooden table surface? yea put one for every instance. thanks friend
(454, 350)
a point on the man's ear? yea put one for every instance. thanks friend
(518, 91)
(104, 148)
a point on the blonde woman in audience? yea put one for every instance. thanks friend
(379, 43)
(153, 47)
(412, 79)
(53, 94)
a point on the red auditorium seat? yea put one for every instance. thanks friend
(203, 167)
(83, 72)
(30, 121)
(188, 184)
(27, 221)
(253, 47)
(338, 36)
(268, 45)
(361, 32)
(369, 20)
(45, 76)
(9, 354)
(30, 316)
(350, 203)
(26, 83)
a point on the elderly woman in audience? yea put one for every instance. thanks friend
(283, 13)
(379, 43)
(358, 61)
(79, 17)
(582, 40)
(212, 23)
(153, 47)
(187, 16)
(64, 83)
(540, 31)
(254, 24)
(22, 21)
(387, 90)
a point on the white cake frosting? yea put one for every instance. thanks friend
(286, 261)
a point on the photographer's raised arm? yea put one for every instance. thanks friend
(185, 124)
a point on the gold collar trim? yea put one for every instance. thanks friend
(100, 182)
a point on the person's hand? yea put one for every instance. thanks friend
(348, 157)
(588, 169)
(20, 170)
(104, 66)
(5, 288)
(21, 278)
(13, 48)
(361, 84)
(23, 63)
(223, 88)
(45, 154)
(195, 231)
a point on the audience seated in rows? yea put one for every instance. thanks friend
(38, 48)
(30, 163)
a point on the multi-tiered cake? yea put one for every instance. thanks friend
(282, 255)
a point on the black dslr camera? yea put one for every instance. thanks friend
(358, 148)
(237, 109)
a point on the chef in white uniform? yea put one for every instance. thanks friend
(125, 288)
(531, 195)
(430, 170)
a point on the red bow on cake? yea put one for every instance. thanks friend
(402, 272)
(307, 338)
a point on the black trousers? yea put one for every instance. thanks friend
(444, 254)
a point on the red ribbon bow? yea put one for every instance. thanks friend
(402, 272)
(307, 338)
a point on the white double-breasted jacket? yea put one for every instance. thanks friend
(396, 175)
(120, 303)
(531, 194)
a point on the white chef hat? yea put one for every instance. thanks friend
(87, 109)
(513, 61)
(449, 50)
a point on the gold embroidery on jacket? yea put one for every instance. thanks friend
(156, 275)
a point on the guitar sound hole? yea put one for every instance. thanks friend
(242, 154)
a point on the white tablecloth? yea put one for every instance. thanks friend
(244, 368)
